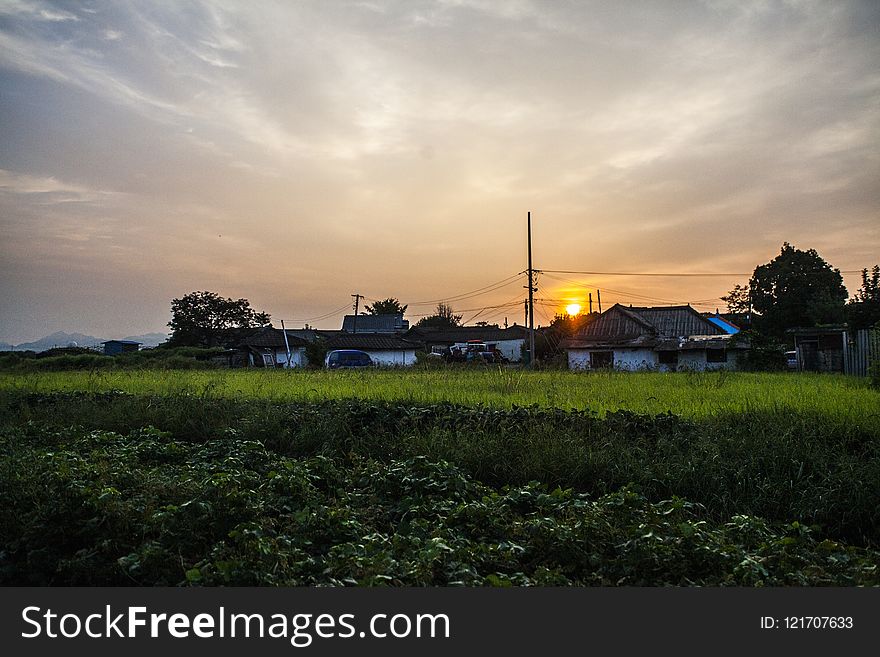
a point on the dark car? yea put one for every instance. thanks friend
(347, 358)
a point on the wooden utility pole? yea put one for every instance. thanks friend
(357, 298)
(590, 296)
(531, 299)
(286, 344)
(599, 298)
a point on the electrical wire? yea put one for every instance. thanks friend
(504, 282)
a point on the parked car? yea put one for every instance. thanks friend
(347, 358)
(791, 360)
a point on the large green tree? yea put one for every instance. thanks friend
(389, 306)
(863, 310)
(443, 318)
(738, 300)
(199, 318)
(796, 288)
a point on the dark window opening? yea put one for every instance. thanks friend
(601, 359)
(716, 355)
(668, 357)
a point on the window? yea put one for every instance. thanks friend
(668, 357)
(601, 359)
(716, 355)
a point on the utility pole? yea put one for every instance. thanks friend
(526, 310)
(286, 344)
(531, 308)
(599, 297)
(590, 295)
(357, 299)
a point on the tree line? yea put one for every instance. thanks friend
(795, 289)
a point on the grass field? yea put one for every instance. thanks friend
(438, 477)
(693, 395)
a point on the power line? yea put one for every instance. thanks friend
(504, 282)
(685, 274)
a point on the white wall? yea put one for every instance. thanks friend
(635, 359)
(396, 357)
(642, 359)
(297, 357)
(578, 359)
(624, 359)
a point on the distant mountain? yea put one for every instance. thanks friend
(60, 339)
(149, 339)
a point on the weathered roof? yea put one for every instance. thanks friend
(641, 327)
(677, 321)
(465, 333)
(375, 324)
(269, 337)
(370, 341)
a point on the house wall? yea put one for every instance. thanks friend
(635, 359)
(297, 357)
(624, 359)
(393, 357)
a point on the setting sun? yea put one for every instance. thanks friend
(573, 308)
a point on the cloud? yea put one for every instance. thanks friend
(321, 138)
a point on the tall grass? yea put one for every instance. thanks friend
(692, 395)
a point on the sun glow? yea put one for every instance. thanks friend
(573, 309)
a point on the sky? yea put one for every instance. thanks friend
(296, 153)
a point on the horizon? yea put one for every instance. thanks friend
(296, 154)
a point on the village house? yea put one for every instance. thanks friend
(508, 341)
(666, 338)
(386, 324)
(384, 350)
(266, 347)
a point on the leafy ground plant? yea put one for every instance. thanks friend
(97, 507)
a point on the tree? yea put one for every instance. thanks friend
(738, 300)
(198, 318)
(443, 318)
(863, 310)
(565, 325)
(796, 288)
(389, 306)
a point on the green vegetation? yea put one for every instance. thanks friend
(85, 360)
(476, 476)
(697, 395)
(92, 508)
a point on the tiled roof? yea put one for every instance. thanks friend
(465, 333)
(677, 321)
(370, 341)
(642, 327)
(269, 337)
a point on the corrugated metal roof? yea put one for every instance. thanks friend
(723, 324)
(375, 324)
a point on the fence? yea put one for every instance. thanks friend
(862, 349)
